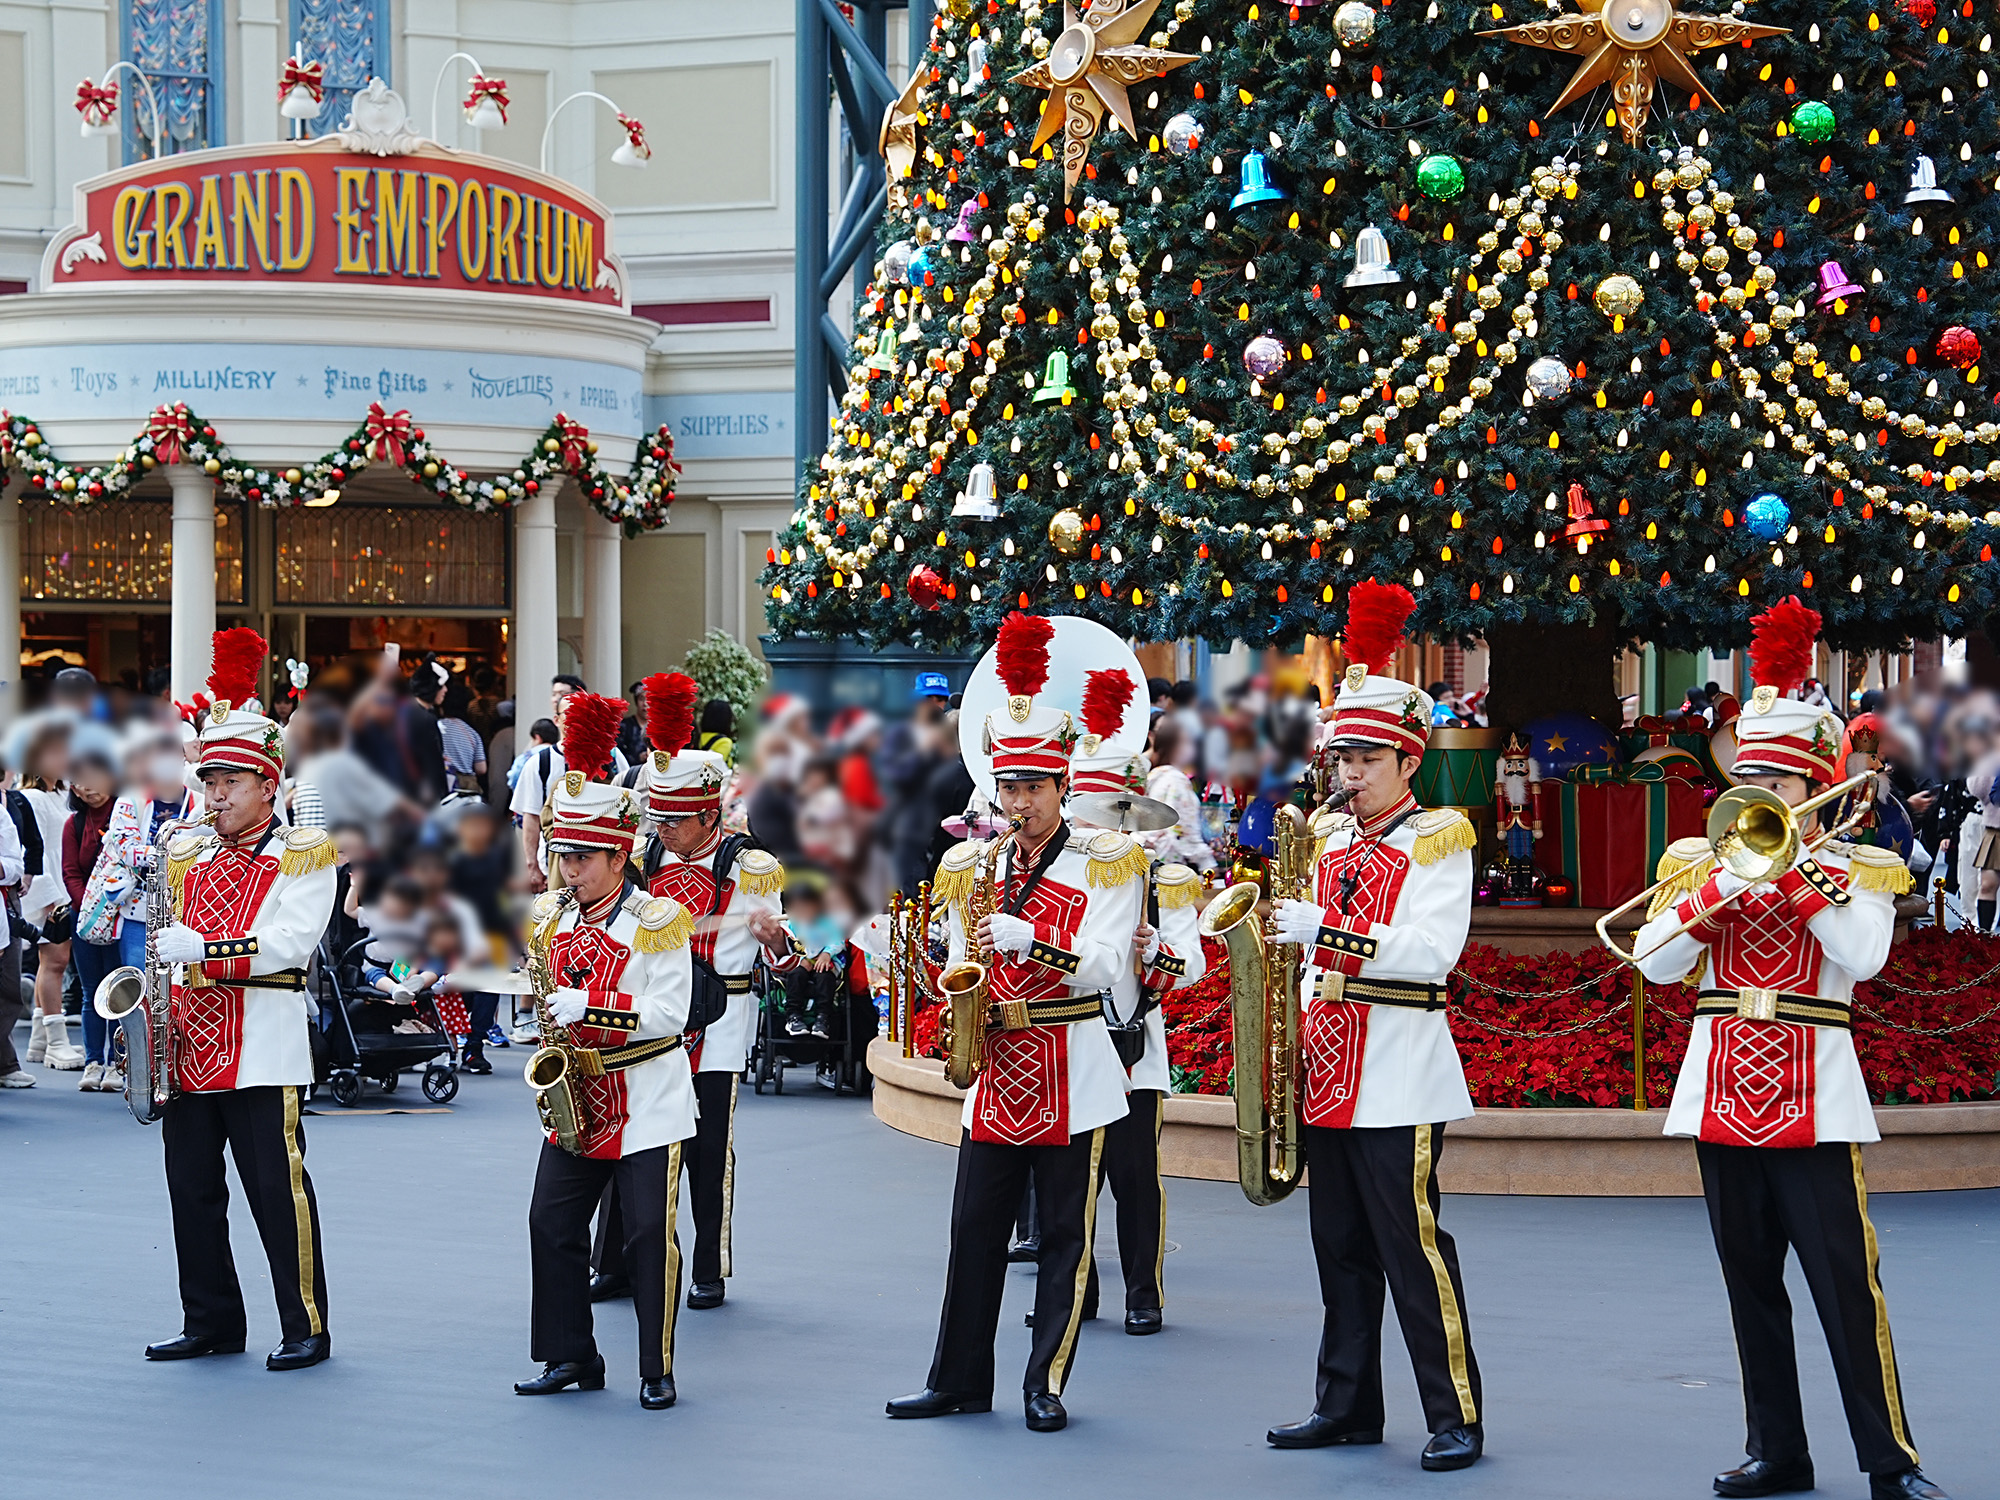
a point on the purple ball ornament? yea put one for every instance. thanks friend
(1264, 356)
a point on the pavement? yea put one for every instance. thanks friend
(1599, 1324)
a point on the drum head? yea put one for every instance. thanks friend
(1078, 648)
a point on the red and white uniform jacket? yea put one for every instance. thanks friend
(1796, 946)
(754, 882)
(262, 903)
(1178, 964)
(632, 956)
(1044, 1084)
(1398, 907)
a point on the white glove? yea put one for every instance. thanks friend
(1010, 934)
(1149, 946)
(566, 1006)
(1298, 921)
(1728, 883)
(180, 944)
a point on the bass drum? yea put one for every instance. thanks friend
(1078, 648)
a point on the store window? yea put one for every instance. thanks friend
(117, 552)
(391, 557)
(350, 38)
(178, 45)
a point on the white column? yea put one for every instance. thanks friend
(194, 579)
(10, 599)
(603, 612)
(260, 45)
(533, 639)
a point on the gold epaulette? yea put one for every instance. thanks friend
(665, 926)
(1325, 823)
(1178, 886)
(306, 850)
(1685, 867)
(1870, 868)
(183, 854)
(758, 873)
(1112, 858)
(952, 886)
(1442, 831)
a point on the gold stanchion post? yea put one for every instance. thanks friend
(1937, 902)
(1638, 1040)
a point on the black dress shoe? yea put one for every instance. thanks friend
(658, 1393)
(1761, 1477)
(1144, 1320)
(300, 1354)
(1317, 1431)
(609, 1288)
(1045, 1412)
(1025, 1252)
(193, 1346)
(930, 1403)
(1454, 1448)
(560, 1375)
(1908, 1485)
(705, 1294)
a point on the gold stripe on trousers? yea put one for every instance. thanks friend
(1448, 1309)
(301, 1209)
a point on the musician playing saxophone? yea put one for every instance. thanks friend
(1058, 936)
(253, 898)
(622, 977)
(1391, 905)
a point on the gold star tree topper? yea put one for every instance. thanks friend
(1634, 45)
(1087, 72)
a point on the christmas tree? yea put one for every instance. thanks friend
(1634, 320)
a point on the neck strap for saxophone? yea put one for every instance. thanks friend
(1051, 851)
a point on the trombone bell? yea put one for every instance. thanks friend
(1754, 832)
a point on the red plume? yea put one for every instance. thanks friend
(1105, 695)
(670, 710)
(1022, 653)
(1781, 645)
(1376, 613)
(239, 657)
(589, 731)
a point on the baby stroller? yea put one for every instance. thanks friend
(362, 1043)
(839, 1056)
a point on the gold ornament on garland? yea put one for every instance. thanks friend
(1633, 45)
(1618, 295)
(1066, 532)
(1086, 73)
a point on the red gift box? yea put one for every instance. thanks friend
(1607, 836)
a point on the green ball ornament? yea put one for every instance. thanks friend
(1813, 121)
(1440, 177)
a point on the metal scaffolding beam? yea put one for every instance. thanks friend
(841, 62)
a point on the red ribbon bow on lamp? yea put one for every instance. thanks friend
(489, 88)
(309, 76)
(170, 428)
(575, 450)
(635, 132)
(97, 103)
(388, 433)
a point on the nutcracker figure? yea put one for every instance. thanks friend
(1518, 817)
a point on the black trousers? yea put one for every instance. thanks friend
(1373, 1209)
(261, 1128)
(710, 1158)
(1814, 1201)
(567, 1188)
(983, 1205)
(1132, 1172)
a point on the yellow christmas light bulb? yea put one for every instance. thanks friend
(1449, 96)
(1951, 594)
(1328, 187)
(1448, 235)
(1293, 223)
(1954, 234)
(1305, 351)
(1813, 206)
(1743, 588)
(1326, 594)
(1666, 459)
(1079, 591)
(1874, 24)
(1575, 584)
(1053, 318)
(1138, 596)
(1765, 76)
(971, 560)
(1600, 401)
(1159, 319)
(1701, 476)
(1874, 137)
(1242, 312)
(1482, 114)
(1021, 483)
(1957, 269)
(1227, 591)
(1638, 188)
(1652, 531)
(1614, 567)
(1830, 534)
(1889, 78)
(1444, 554)
(1854, 354)
(1246, 96)
(1695, 410)
(942, 539)
(1278, 402)
(1555, 440)
(1457, 520)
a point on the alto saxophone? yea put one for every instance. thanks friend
(963, 986)
(139, 1001)
(558, 1062)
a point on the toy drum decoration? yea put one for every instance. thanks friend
(1458, 770)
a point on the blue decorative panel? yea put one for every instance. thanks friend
(177, 44)
(350, 38)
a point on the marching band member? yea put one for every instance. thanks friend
(252, 899)
(1773, 1094)
(621, 965)
(1166, 955)
(1059, 934)
(1392, 905)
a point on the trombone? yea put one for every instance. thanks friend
(1754, 834)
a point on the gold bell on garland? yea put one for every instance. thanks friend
(884, 357)
(1055, 379)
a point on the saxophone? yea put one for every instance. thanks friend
(558, 1062)
(139, 1001)
(963, 986)
(1264, 980)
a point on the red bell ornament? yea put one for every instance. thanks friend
(1585, 525)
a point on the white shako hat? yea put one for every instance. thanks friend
(1026, 740)
(1372, 708)
(1102, 761)
(679, 781)
(235, 736)
(1776, 733)
(585, 810)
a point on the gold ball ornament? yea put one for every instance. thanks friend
(1618, 295)
(1066, 532)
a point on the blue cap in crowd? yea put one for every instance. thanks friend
(932, 685)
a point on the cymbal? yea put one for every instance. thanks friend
(1128, 813)
(487, 980)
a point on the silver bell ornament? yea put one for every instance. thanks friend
(1371, 259)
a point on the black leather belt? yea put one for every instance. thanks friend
(1014, 1015)
(620, 1058)
(1411, 994)
(1774, 1005)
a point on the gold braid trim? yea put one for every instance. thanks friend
(1178, 887)
(1872, 869)
(182, 856)
(661, 933)
(759, 873)
(1108, 874)
(1685, 867)
(952, 885)
(306, 856)
(1436, 843)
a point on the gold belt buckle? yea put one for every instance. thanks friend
(1757, 1005)
(1333, 986)
(1012, 1015)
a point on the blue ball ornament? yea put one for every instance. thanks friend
(1767, 516)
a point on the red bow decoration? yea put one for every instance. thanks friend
(192, 712)
(489, 88)
(575, 450)
(309, 76)
(387, 433)
(170, 428)
(636, 134)
(97, 104)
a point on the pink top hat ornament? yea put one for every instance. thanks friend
(961, 232)
(1833, 284)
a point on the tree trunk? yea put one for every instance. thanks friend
(1543, 669)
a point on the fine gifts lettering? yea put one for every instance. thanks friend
(382, 384)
